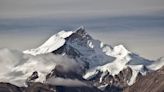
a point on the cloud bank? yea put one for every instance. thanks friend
(16, 67)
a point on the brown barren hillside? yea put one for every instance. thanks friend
(152, 82)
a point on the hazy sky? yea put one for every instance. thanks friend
(138, 24)
(29, 8)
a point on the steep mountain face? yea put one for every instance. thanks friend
(152, 82)
(104, 65)
(78, 45)
(100, 66)
(111, 83)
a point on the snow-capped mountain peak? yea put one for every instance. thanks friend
(98, 59)
(81, 31)
(55, 41)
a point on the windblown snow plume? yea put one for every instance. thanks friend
(16, 67)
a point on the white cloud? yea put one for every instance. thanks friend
(65, 82)
(16, 67)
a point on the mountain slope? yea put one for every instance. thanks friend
(53, 43)
(152, 82)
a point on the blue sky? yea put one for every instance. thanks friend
(137, 24)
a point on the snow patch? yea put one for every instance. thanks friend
(52, 44)
(156, 64)
(136, 69)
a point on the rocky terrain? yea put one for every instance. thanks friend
(152, 82)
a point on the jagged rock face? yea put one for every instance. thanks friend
(114, 83)
(67, 49)
(152, 82)
(119, 80)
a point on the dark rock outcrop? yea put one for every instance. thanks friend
(115, 83)
(58, 71)
(7, 87)
(40, 87)
(32, 78)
